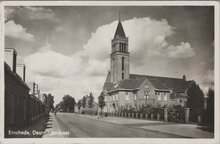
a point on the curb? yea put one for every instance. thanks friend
(135, 127)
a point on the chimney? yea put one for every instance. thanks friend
(38, 94)
(11, 58)
(31, 85)
(21, 71)
(36, 90)
(184, 77)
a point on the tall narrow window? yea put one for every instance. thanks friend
(122, 76)
(122, 63)
(165, 96)
(126, 96)
(125, 48)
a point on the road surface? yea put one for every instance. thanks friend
(80, 127)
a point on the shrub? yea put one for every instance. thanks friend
(208, 114)
(176, 113)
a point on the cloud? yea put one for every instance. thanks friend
(47, 62)
(9, 11)
(17, 31)
(85, 71)
(40, 13)
(206, 80)
(183, 50)
(30, 13)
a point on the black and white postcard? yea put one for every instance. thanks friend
(110, 72)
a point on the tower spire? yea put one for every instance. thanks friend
(119, 16)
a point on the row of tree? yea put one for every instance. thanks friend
(195, 101)
(67, 104)
(86, 101)
(48, 101)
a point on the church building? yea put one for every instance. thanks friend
(123, 89)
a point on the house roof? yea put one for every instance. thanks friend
(157, 84)
(127, 84)
(108, 85)
(176, 84)
(160, 83)
(15, 75)
(120, 31)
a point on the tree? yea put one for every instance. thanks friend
(49, 101)
(84, 102)
(208, 116)
(69, 103)
(195, 101)
(79, 104)
(91, 100)
(101, 99)
(60, 106)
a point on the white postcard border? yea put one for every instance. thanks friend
(112, 140)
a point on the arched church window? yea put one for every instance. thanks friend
(122, 63)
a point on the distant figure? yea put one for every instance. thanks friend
(55, 112)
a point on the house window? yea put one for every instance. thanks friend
(147, 96)
(159, 97)
(165, 96)
(113, 98)
(116, 97)
(135, 97)
(122, 63)
(180, 100)
(126, 96)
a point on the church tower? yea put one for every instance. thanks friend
(119, 55)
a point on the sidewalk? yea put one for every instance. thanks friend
(52, 129)
(184, 130)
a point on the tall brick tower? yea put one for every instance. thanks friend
(119, 55)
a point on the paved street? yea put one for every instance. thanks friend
(85, 127)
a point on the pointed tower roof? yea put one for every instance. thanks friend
(120, 31)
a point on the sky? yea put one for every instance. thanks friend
(66, 49)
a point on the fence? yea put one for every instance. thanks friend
(168, 115)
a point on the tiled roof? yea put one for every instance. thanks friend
(127, 84)
(157, 84)
(180, 95)
(108, 85)
(120, 31)
(160, 83)
(176, 84)
(15, 75)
